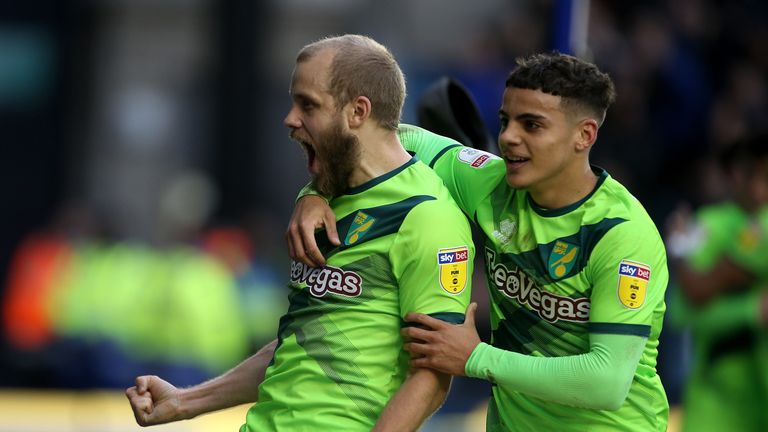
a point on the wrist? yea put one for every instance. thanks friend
(471, 367)
(189, 404)
(310, 191)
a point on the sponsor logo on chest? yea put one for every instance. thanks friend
(516, 284)
(328, 279)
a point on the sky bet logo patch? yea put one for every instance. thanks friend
(453, 268)
(633, 283)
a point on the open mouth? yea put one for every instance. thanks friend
(312, 164)
(515, 161)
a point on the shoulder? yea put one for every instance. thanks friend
(613, 200)
(630, 223)
(438, 208)
(432, 213)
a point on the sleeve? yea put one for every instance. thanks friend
(599, 379)
(629, 276)
(432, 258)
(309, 189)
(469, 174)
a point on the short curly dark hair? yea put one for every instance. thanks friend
(579, 83)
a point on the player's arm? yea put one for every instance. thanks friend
(701, 287)
(155, 401)
(469, 174)
(731, 312)
(434, 271)
(707, 261)
(598, 379)
(422, 393)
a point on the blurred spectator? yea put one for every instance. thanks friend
(35, 275)
(261, 296)
(721, 273)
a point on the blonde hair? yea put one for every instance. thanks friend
(363, 67)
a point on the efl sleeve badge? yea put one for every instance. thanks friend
(453, 268)
(633, 283)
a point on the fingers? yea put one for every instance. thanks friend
(295, 245)
(417, 349)
(469, 317)
(428, 362)
(425, 321)
(330, 227)
(302, 246)
(311, 213)
(314, 257)
(313, 253)
(142, 383)
(141, 405)
(296, 236)
(289, 242)
(415, 333)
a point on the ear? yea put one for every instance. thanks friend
(358, 111)
(586, 134)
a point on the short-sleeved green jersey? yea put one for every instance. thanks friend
(406, 247)
(555, 276)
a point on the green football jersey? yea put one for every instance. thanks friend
(406, 247)
(751, 244)
(555, 276)
(726, 388)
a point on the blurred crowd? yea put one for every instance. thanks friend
(85, 310)
(90, 302)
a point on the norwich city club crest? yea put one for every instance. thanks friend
(561, 259)
(360, 226)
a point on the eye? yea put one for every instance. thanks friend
(503, 122)
(307, 106)
(531, 125)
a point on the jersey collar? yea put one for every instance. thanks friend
(380, 179)
(541, 211)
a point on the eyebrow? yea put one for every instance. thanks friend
(524, 116)
(302, 97)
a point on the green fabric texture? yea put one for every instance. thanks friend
(406, 247)
(556, 277)
(727, 387)
(599, 379)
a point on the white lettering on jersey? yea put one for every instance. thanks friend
(517, 285)
(321, 280)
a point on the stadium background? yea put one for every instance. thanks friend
(146, 177)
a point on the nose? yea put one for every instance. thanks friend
(509, 136)
(291, 120)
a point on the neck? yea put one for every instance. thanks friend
(380, 153)
(565, 190)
